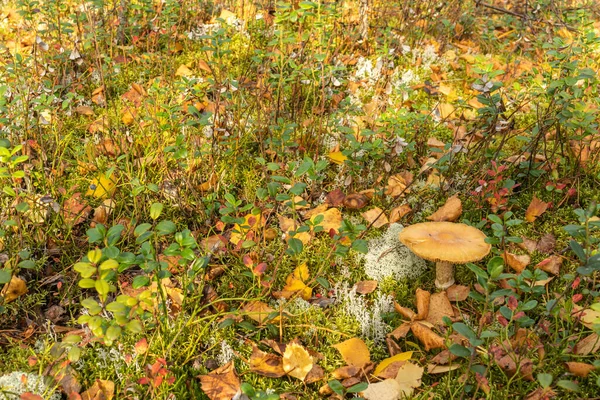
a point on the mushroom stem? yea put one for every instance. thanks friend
(444, 275)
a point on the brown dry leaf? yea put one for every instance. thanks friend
(405, 312)
(222, 383)
(296, 361)
(396, 185)
(535, 209)
(316, 374)
(541, 394)
(439, 307)
(429, 338)
(30, 396)
(13, 289)
(354, 352)
(529, 245)
(332, 220)
(422, 300)
(509, 365)
(409, 378)
(346, 372)
(443, 357)
(546, 244)
(258, 311)
(84, 110)
(74, 211)
(516, 261)
(551, 264)
(183, 70)
(580, 369)
(388, 389)
(365, 287)
(265, 364)
(98, 96)
(335, 198)
(441, 369)
(588, 345)
(450, 211)
(398, 212)
(401, 331)
(355, 201)
(458, 292)
(372, 217)
(586, 316)
(100, 390)
(99, 125)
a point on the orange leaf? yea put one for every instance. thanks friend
(222, 383)
(535, 209)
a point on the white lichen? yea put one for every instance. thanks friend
(368, 315)
(13, 385)
(387, 257)
(226, 354)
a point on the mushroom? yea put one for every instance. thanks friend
(446, 243)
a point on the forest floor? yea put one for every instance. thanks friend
(205, 200)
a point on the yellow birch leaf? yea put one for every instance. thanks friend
(398, 357)
(337, 157)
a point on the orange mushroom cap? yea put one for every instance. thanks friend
(445, 241)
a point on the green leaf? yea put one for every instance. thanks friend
(109, 264)
(568, 385)
(116, 307)
(141, 228)
(86, 270)
(74, 354)
(5, 275)
(27, 264)
(113, 332)
(134, 326)
(155, 210)
(71, 339)
(323, 282)
(336, 386)
(89, 302)
(295, 246)
(102, 287)
(140, 281)
(459, 350)
(578, 250)
(359, 387)
(165, 227)
(87, 283)
(545, 380)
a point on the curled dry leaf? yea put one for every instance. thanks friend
(100, 390)
(580, 369)
(221, 384)
(536, 208)
(516, 261)
(541, 394)
(588, 345)
(429, 338)
(422, 300)
(458, 292)
(316, 374)
(13, 289)
(365, 287)
(439, 307)
(551, 264)
(296, 361)
(441, 369)
(397, 213)
(396, 185)
(405, 312)
(354, 352)
(265, 364)
(356, 201)
(376, 217)
(450, 211)
(401, 331)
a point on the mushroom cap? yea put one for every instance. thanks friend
(445, 241)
